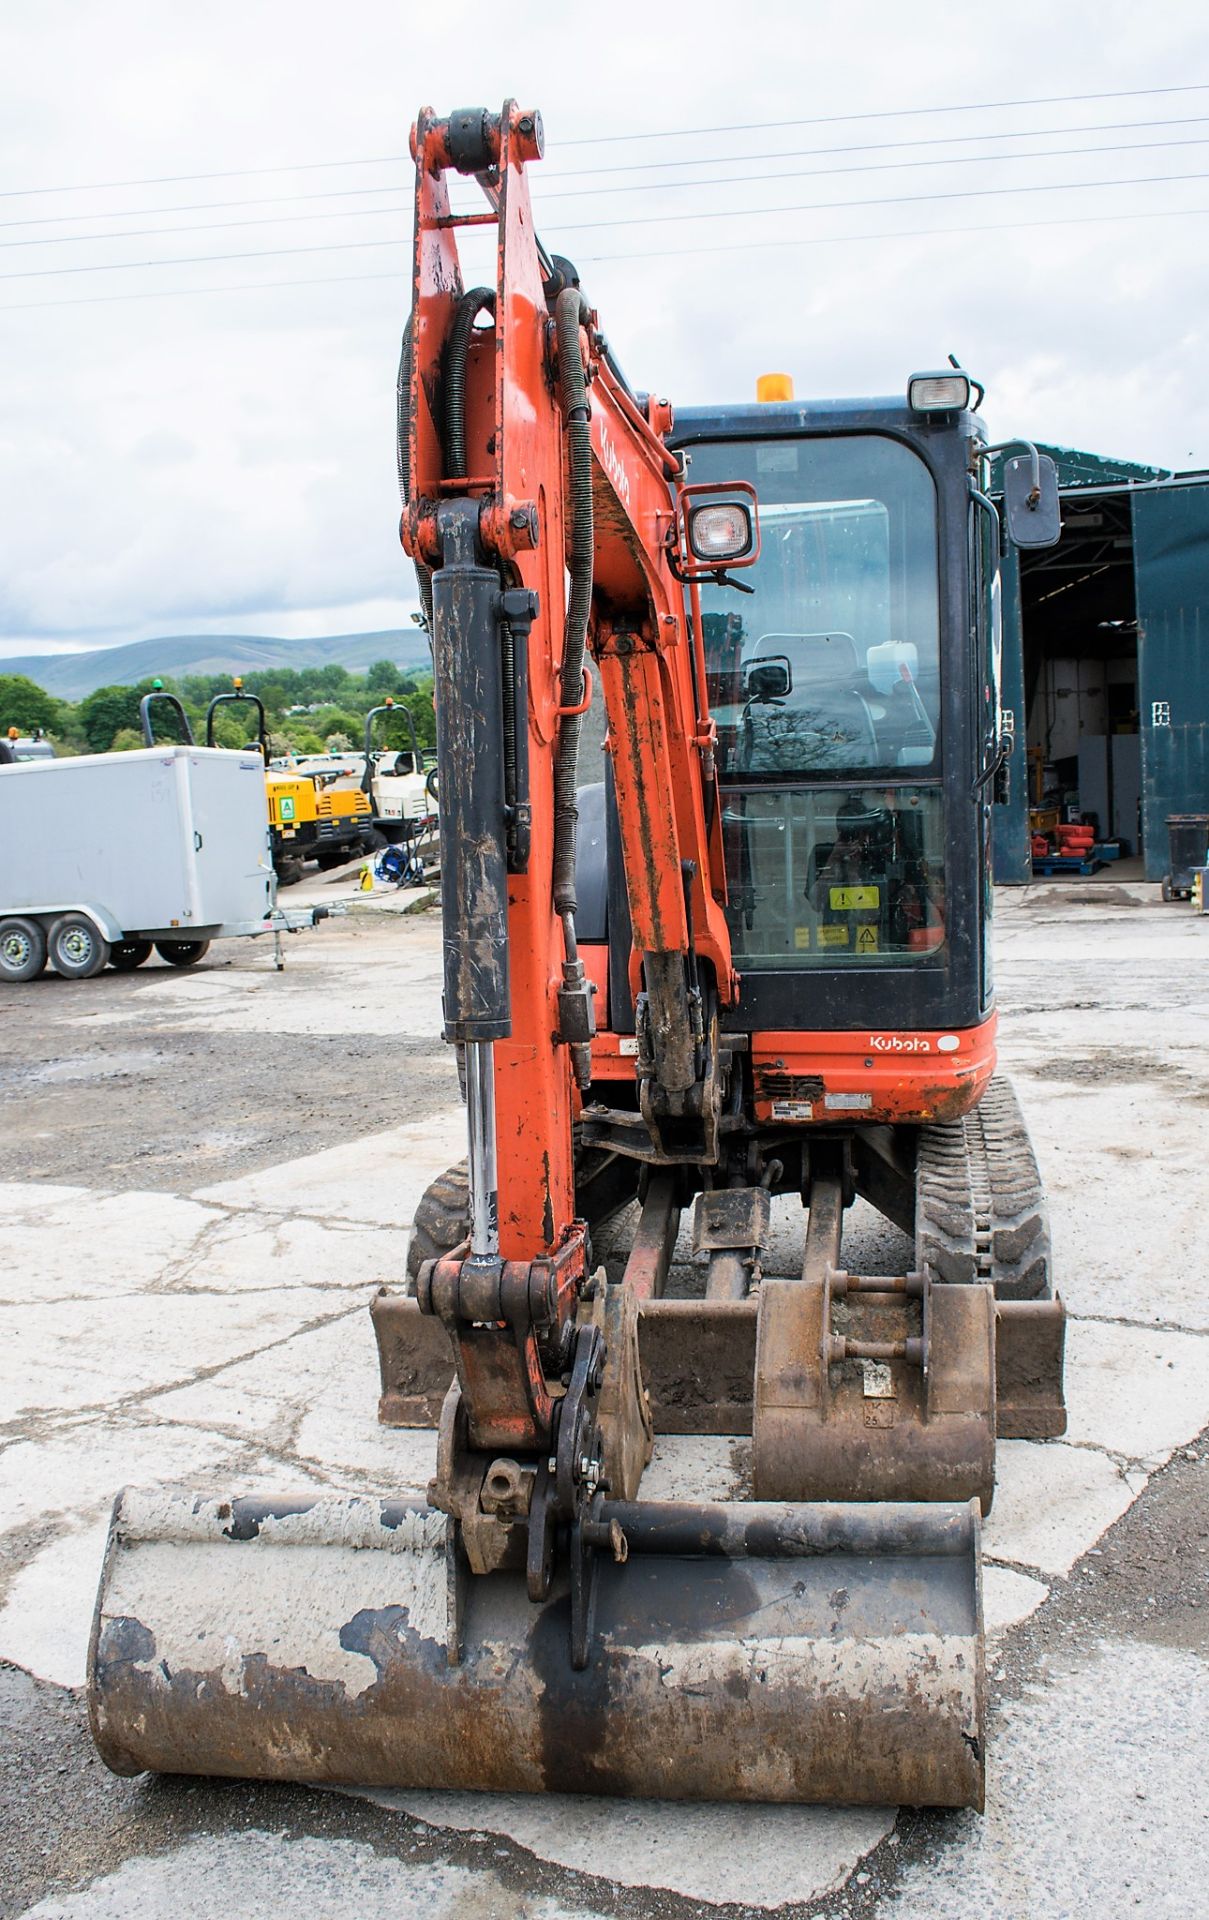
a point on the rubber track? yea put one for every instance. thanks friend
(979, 1205)
(441, 1218)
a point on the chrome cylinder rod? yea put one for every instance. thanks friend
(484, 1175)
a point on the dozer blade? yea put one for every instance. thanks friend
(741, 1652)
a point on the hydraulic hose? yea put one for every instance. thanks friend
(478, 300)
(570, 312)
(403, 461)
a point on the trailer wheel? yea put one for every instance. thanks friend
(76, 947)
(126, 955)
(182, 953)
(22, 950)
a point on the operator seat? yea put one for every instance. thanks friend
(823, 722)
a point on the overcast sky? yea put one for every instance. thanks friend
(190, 460)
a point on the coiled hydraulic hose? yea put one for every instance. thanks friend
(571, 311)
(478, 300)
(403, 461)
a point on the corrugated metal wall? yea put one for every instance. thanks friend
(1171, 562)
(1012, 860)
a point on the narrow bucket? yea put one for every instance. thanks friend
(750, 1652)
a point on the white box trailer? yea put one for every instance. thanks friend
(105, 856)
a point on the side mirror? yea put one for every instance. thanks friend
(767, 679)
(1031, 507)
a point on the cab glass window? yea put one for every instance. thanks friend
(832, 665)
(834, 876)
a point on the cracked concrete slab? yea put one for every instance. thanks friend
(1101, 1766)
(80, 1466)
(1124, 1241)
(1133, 1391)
(751, 1856)
(1052, 1502)
(375, 1180)
(247, 1252)
(1008, 1597)
(75, 1354)
(62, 1250)
(325, 1879)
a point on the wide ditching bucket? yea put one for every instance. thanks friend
(753, 1651)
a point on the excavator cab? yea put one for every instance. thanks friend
(749, 973)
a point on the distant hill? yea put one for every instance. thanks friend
(72, 675)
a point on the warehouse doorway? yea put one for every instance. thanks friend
(1081, 704)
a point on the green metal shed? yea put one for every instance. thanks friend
(1126, 593)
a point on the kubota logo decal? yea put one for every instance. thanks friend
(899, 1043)
(613, 466)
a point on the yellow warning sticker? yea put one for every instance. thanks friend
(833, 936)
(866, 939)
(854, 899)
(801, 938)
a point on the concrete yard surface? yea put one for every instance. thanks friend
(205, 1177)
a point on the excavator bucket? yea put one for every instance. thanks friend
(749, 1652)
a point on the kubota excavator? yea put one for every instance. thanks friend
(765, 971)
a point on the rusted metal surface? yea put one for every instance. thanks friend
(1030, 1345)
(504, 1318)
(654, 1237)
(698, 1365)
(825, 1220)
(730, 1229)
(874, 1425)
(310, 1640)
(415, 1360)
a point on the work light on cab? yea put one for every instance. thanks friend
(938, 392)
(722, 531)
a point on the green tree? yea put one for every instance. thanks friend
(337, 720)
(234, 726)
(126, 740)
(382, 677)
(104, 712)
(302, 736)
(110, 709)
(25, 705)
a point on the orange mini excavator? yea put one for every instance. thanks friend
(763, 971)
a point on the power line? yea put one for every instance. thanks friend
(593, 226)
(181, 179)
(878, 146)
(592, 173)
(776, 243)
(892, 233)
(807, 173)
(821, 173)
(888, 113)
(676, 133)
(212, 206)
(642, 166)
(220, 226)
(879, 200)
